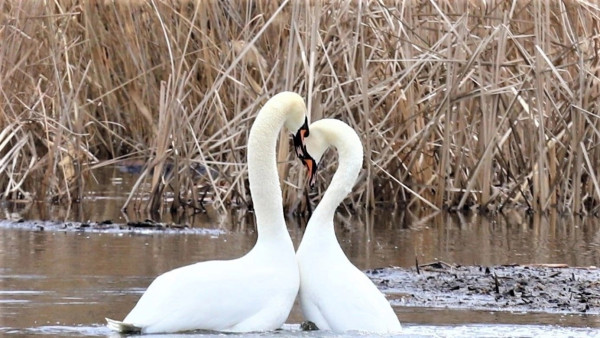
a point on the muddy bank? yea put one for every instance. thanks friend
(145, 226)
(498, 288)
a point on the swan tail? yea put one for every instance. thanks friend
(121, 327)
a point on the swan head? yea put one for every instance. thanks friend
(299, 143)
(327, 133)
(296, 120)
(315, 146)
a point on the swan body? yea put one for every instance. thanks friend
(255, 292)
(334, 294)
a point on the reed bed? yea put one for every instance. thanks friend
(460, 104)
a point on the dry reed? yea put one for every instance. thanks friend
(459, 103)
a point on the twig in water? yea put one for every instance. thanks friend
(497, 285)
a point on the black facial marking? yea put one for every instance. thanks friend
(299, 140)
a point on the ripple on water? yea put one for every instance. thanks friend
(14, 301)
(20, 292)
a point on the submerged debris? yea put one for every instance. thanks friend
(539, 288)
(148, 223)
(308, 326)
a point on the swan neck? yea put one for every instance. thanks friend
(262, 172)
(350, 156)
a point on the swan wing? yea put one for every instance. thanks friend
(346, 300)
(213, 295)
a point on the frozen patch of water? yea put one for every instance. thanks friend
(491, 330)
(129, 291)
(293, 330)
(65, 331)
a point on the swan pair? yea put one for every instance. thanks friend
(256, 292)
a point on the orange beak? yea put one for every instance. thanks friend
(303, 154)
(312, 167)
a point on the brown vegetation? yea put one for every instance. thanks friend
(458, 103)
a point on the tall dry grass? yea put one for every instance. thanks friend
(459, 103)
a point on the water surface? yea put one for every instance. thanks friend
(61, 281)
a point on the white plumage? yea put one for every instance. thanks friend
(334, 294)
(253, 293)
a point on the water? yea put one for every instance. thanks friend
(63, 282)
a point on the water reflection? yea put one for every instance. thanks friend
(473, 239)
(399, 238)
(383, 237)
(56, 279)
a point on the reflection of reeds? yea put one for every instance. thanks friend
(458, 105)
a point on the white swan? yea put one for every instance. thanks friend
(255, 292)
(334, 294)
